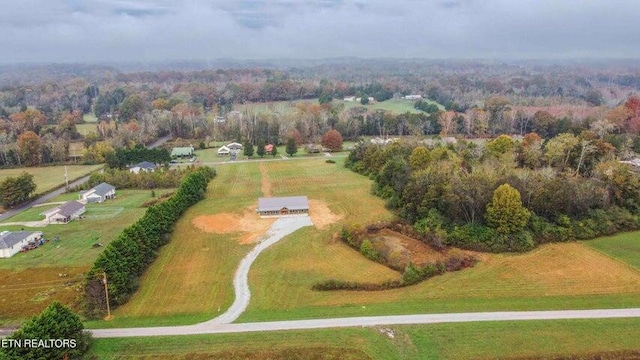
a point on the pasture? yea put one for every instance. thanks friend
(191, 280)
(54, 271)
(624, 247)
(85, 129)
(395, 106)
(50, 177)
(508, 340)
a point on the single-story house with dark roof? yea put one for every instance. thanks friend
(66, 212)
(98, 193)
(145, 166)
(11, 242)
(182, 152)
(283, 206)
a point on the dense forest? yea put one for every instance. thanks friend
(42, 107)
(505, 195)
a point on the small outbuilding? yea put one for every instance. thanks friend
(66, 212)
(283, 206)
(11, 242)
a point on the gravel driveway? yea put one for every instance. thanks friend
(281, 228)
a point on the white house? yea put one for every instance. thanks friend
(224, 151)
(145, 166)
(234, 146)
(66, 212)
(350, 98)
(98, 193)
(413, 97)
(12, 241)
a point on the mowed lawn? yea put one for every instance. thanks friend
(396, 106)
(50, 177)
(507, 340)
(30, 281)
(624, 247)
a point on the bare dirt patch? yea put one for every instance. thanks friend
(400, 249)
(321, 215)
(248, 223)
(265, 184)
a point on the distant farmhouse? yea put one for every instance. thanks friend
(98, 193)
(283, 206)
(350, 98)
(64, 213)
(635, 162)
(182, 152)
(381, 141)
(11, 242)
(224, 151)
(413, 97)
(144, 166)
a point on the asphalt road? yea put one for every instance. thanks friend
(207, 328)
(45, 198)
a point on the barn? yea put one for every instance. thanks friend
(283, 206)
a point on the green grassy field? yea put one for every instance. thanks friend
(89, 118)
(55, 271)
(211, 154)
(85, 129)
(50, 177)
(439, 341)
(624, 247)
(396, 106)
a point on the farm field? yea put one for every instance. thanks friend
(509, 340)
(192, 277)
(624, 247)
(55, 270)
(50, 177)
(85, 129)
(191, 281)
(396, 106)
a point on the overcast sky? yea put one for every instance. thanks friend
(157, 30)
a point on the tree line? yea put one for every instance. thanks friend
(126, 258)
(505, 195)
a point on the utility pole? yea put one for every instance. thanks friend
(106, 292)
(66, 178)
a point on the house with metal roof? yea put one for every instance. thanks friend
(64, 213)
(283, 206)
(182, 152)
(144, 166)
(98, 193)
(11, 242)
(224, 151)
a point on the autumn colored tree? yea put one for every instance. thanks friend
(543, 123)
(295, 134)
(332, 140)
(505, 212)
(633, 123)
(29, 146)
(501, 145)
(160, 104)
(446, 119)
(420, 158)
(29, 120)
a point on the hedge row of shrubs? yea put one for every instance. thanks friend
(126, 258)
(411, 275)
(125, 179)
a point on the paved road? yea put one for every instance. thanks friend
(11, 212)
(279, 229)
(43, 199)
(207, 328)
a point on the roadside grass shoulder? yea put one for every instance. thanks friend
(479, 340)
(624, 247)
(50, 177)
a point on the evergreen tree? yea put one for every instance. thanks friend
(274, 152)
(248, 149)
(292, 148)
(56, 322)
(260, 148)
